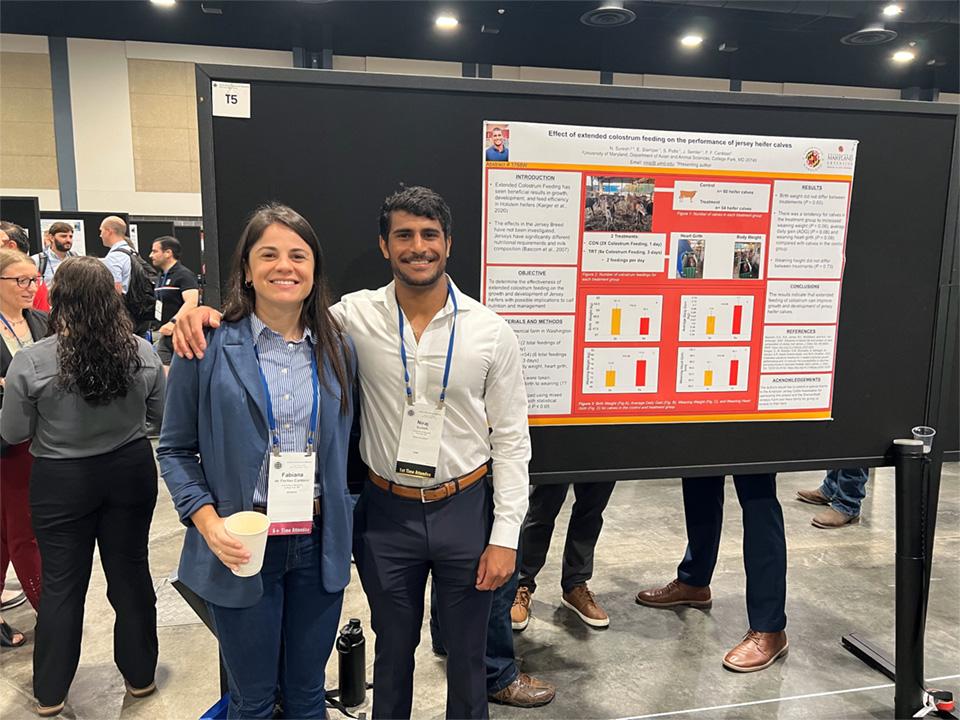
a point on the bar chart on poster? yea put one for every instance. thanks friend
(655, 276)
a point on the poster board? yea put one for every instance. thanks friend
(367, 134)
(659, 276)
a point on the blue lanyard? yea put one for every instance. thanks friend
(12, 331)
(446, 367)
(274, 432)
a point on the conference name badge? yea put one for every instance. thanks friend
(157, 310)
(290, 484)
(420, 433)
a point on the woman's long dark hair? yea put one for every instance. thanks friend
(241, 298)
(97, 354)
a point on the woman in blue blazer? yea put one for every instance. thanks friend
(276, 382)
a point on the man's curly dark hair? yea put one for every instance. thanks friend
(97, 353)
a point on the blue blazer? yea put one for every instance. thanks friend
(214, 437)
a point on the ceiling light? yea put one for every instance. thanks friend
(903, 56)
(892, 10)
(872, 34)
(446, 22)
(692, 40)
(164, 3)
(609, 14)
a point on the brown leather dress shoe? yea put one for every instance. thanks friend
(676, 593)
(525, 692)
(830, 519)
(757, 651)
(814, 497)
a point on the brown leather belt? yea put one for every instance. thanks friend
(430, 494)
(317, 505)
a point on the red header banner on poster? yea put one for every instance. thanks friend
(656, 276)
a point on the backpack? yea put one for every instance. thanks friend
(41, 260)
(140, 297)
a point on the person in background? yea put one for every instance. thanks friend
(134, 278)
(583, 532)
(14, 237)
(844, 491)
(764, 560)
(113, 234)
(83, 397)
(177, 292)
(276, 381)
(59, 248)
(21, 326)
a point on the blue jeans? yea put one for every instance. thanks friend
(845, 489)
(283, 642)
(499, 658)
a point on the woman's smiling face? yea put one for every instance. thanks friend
(280, 267)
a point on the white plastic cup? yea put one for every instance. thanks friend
(925, 435)
(250, 528)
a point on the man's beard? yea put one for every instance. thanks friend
(62, 248)
(419, 282)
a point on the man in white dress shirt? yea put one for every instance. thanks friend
(442, 395)
(462, 357)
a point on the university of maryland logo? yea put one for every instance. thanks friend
(812, 158)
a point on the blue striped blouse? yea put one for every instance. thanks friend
(287, 368)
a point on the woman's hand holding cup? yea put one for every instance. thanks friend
(228, 550)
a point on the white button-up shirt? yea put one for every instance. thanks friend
(486, 401)
(118, 263)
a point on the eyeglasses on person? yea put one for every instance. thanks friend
(24, 282)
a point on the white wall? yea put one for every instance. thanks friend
(414, 67)
(102, 134)
(208, 54)
(103, 142)
(102, 138)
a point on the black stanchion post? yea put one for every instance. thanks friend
(931, 483)
(910, 501)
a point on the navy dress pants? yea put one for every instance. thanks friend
(764, 542)
(397, 544)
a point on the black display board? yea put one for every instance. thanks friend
(148, 231)
(91, 226)
(25, 212)
(191, 246)
(333, 145)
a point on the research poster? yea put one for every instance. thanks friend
(656, 276)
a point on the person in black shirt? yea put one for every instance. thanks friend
(177, 291)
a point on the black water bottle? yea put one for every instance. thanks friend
(351, 647)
